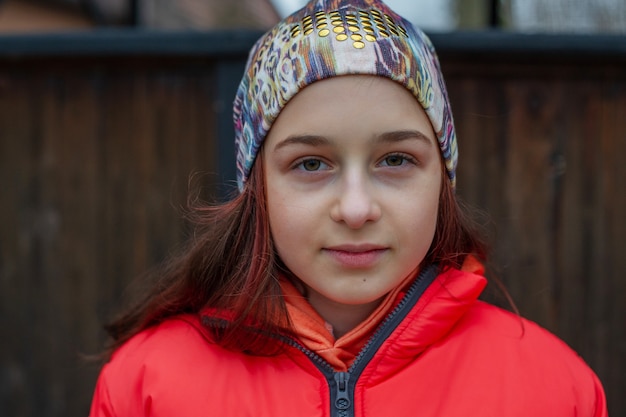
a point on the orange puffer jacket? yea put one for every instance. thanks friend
(440, 352)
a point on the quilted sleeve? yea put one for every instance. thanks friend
(101, 402)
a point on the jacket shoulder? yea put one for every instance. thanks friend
(541, 367)
(153, 361)
(507, 329)
(179, 340)
(176, 369)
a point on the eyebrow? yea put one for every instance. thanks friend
(311, 140)
(386, 137)
(402, 135)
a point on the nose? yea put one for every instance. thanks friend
(356, 203)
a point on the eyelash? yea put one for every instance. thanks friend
(299, 165)
(403, 156)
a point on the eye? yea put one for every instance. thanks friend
(311, 164)
(396, 160)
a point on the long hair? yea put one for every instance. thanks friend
(231, 268)
(457, 234)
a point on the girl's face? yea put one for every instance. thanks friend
(353, 175)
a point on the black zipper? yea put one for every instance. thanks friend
(343, 397)
(342, 384)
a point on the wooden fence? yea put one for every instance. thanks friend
(100, 133)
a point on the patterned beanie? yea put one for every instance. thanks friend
(329, 38)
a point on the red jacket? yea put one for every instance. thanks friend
(441, 352)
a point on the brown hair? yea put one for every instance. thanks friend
(457, 234)
(231, 267)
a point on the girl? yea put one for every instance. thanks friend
(343, 279)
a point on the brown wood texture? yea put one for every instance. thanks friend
(94, 169)
(96, 155)
(541, 148)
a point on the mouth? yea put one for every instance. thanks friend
(356, 256)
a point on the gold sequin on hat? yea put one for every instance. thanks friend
(368, 25)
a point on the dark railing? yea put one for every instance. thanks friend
(101, 132)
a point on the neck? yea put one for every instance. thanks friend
(342, 317)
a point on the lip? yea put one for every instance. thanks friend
(356, 256)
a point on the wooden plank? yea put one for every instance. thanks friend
(540, 151)
(96, 170)
(20, 246)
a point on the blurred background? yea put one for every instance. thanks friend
(572, 16)
(112, 111)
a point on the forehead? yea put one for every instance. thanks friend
(354, 104)
(345, 87)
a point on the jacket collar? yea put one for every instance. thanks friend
(425, 320)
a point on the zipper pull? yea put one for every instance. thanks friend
(342, 401)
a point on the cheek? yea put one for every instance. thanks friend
(289, 219)
(419, 218)
(276, 211)
(423, 223)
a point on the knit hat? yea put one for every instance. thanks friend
(329, 38)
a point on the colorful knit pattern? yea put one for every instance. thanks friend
(329, 38)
